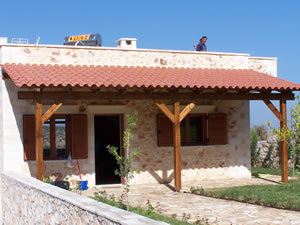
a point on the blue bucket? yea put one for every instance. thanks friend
(83, 185)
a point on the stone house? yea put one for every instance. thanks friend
(193, 110)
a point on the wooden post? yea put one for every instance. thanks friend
(40, 119)
(39, 139)
(284, 152)
(177, 143)
(175, 118)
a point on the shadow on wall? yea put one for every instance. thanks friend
(197, 162)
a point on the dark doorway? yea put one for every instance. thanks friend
(107, 132)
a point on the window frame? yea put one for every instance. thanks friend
(53, 137)
(203, 116)
(210, 137)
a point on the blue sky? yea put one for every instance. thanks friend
(268, 28)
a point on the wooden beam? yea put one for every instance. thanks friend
(39, 139)
(273, 109)
(186, 110)
(166, 111)
(63, 95)
(284, 151)
(50, 112)
(177, 143)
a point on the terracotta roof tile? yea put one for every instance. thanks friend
(122, 76)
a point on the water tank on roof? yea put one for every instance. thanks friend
(84, 40)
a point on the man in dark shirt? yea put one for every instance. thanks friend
(201, 46)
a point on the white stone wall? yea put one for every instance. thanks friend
(134, 57)
(29, 201)
(264, 65)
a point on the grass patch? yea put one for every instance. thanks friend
(272, 171)
(148, 213)
(283, 196)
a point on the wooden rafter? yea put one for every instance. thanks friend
(166, 111)
(50, 112)
(186, 111)
(61, 95)
(273, 109)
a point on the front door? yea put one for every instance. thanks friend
(107, 132)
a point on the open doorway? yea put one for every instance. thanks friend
(108, 131)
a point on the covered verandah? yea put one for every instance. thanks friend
(63, 85)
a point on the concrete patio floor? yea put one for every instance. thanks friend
(186, 205)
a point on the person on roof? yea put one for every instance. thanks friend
(201, 45)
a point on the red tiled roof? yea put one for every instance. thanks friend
(156, 77)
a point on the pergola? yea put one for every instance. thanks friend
(58, 84)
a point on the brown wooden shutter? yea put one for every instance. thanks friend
(164, 131)
(217, 128)
(29, 137)
(79, 136)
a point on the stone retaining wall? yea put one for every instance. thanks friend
(26, 200)
(274, 161)
(263, 148)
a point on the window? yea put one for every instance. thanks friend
(55, 137)
(195, 129)
(61, 134)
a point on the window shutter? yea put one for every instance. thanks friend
(164, 131)
(29, 137)
(217, 129)
(79, 136)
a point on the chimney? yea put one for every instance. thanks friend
(128, 43)
(3, 40)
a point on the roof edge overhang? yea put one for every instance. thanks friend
(242, 79)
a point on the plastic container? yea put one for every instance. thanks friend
(83, 185)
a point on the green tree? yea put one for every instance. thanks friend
(125, 162)
(253, 145)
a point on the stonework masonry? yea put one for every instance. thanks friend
(70, 55)
(29, 201)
